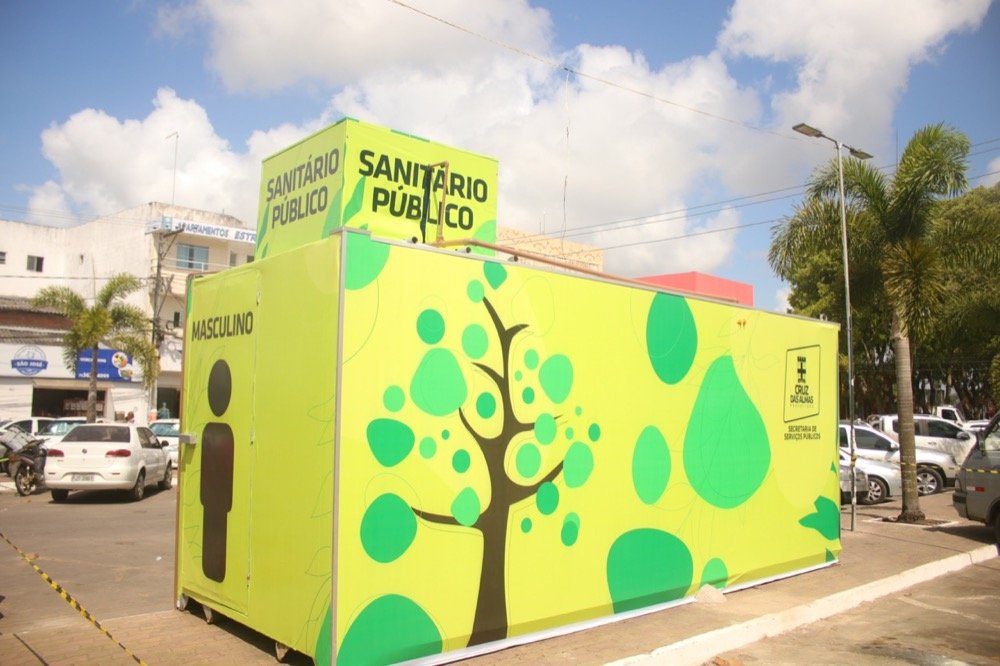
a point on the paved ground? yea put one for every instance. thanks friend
(948, 620)
(118, 561)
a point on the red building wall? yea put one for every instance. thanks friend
(703, 284)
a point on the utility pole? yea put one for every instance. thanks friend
(158, 286)
(159, 296)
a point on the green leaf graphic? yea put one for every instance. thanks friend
(826, 519)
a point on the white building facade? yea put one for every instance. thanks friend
(159, 243)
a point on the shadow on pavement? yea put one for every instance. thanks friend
(249, 636)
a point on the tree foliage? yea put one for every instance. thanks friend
(109, 321)
(962, 343)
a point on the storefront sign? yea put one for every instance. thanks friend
(29, 360)
(112, 365)
(198, 229)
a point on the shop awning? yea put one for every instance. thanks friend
(77, 384)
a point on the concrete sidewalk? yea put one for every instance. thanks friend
(878, 558)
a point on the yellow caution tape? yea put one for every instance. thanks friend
(70, 600)
(981, 471)
(917, 465)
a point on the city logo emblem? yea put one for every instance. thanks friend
(802, 383)
(29, 360)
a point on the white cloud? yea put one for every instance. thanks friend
(263, 46)
(852, 57)
(616, 154)
(107, 165)
(48, 205)
(570, 148)
(993, 168)
(781, 297)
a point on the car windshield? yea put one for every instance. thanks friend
(165, 429)
(98, 433)
(991, 441)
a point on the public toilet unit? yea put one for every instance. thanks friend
(397, 451)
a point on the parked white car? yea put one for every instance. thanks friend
(860, 483)
(930, 432)
(884, 479)
(977, 425)
(31, 425)
(950, 413)
(56, 428)
(168, 431)
(935, 469)
(107, 456)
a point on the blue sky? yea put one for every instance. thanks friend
(669, 184)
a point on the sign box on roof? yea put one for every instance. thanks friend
(353, 174)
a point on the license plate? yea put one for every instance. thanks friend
(81, 477)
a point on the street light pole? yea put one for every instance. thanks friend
(802, 128)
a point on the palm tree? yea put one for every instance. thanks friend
(110, 320)
(895, 243)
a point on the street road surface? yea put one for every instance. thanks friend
(117, 559)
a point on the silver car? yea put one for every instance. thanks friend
(860, 483)
(930, 432)
(884, 479)
(935, 469)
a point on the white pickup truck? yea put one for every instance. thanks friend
(949, 413)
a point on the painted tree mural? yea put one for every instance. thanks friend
(481, 432)
(439, 387)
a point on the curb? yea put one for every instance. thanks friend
(700, 649)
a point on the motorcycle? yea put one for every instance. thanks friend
(25, 461)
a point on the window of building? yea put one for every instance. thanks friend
(35, 263)
(232, 258)
(193, 257)
(249, 258)
(177, 319)
(3, 257)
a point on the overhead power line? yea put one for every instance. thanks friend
(584, 75)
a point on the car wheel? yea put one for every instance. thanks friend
(24, 480)
(168, 478)
(60, 495)
(928, 481)
(139, 489)
(878, 490)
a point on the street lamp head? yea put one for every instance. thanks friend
(808, 130)
(860, 154)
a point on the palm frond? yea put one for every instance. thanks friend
(814, 225)
(116, 288)
(914, 280)
(933, 165)
(62, 299)
(127, 317)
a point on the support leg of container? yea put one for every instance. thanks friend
(209, 614)
(280, 651)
